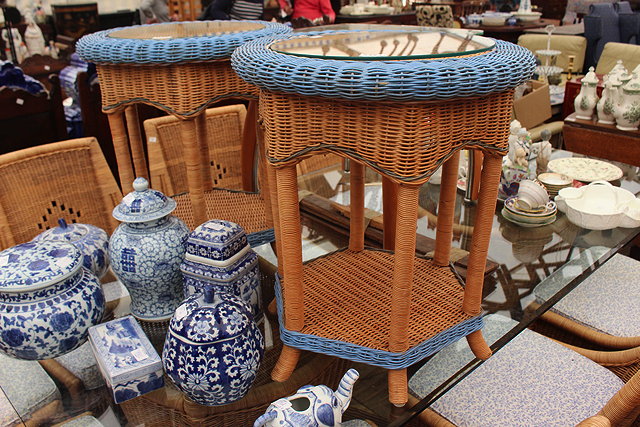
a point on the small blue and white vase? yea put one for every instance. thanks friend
(219, 256)
(146, 251)
(213, 348)
(48, 300)
(92, 241)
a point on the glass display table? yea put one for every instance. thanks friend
(519, 260)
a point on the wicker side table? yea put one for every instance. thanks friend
(181, 68)
(403, 118)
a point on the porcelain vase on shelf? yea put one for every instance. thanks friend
(48, 301)
(607, 103)
(92, 241)
(34, 39)
(146, 251)
(628, 112)
(317, 406)
(587, 99)
(219, 256)
(213, 348)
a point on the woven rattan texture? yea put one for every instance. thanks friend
(173, 42)
(69, 179)
(406, 141)
(246, 209)
(501, 69)
(335, 287)
(166, 162)
(317, 162)
(183, 90)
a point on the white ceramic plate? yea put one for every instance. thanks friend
(505, 215)
(585, 170)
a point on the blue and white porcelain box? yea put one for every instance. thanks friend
(92, 241)
(219, 256)
(48, 300)
(127, 360)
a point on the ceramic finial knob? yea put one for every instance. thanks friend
(62, 223)
(140, 184)
(208, 295)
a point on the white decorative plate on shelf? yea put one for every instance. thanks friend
(585, 170)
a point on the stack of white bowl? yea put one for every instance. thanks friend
(531, 206)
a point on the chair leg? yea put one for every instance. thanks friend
(286, 363)
(478, 345)
(398, 386)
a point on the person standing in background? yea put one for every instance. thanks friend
(153, 11)
(308, 13)
(233, 9)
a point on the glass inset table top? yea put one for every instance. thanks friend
(385, 45)
(171, 31)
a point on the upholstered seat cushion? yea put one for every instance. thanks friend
(8, 415)
(569, 46)
(530, 381)
(607, 300)
(26, 385)
(81, 363)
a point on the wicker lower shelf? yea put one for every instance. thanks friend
(347, 309)
(244, 208)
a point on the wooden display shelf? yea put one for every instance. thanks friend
(334, 299)
(595, 139)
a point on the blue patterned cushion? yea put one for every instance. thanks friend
(597, 302)
(34, 390)
(82, 363)
(530, 381)
(455, 356)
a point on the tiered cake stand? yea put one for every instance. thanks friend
(181, 68)
(402, 103)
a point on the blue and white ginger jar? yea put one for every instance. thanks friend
(48, 300)
(146, 251)
(92, 241)
(213, 348)
(219, 256)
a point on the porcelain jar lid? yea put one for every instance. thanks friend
(633, 86)
(68, 232)
(591, 77)
(143, 204)
(37, 265)
(210, 317)
(217, 242)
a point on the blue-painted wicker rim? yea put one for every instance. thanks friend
(100, 48)
(503, 68)
(370, 356)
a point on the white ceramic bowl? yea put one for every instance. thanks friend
(528, 17)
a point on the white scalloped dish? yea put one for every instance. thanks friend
(599, 206)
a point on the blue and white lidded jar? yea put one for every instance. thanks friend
(219, 256)
(213, 348)
(48, 300)
(146, 251)
(92, 241)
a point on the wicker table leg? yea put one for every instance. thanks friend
(249, 146)
(121, 147)
(203, 145)
(389, 203)
(446, 210)
(356, 232)
(194, 170)
(135, 140)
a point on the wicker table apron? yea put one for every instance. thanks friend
(181, 68)
(389, 309)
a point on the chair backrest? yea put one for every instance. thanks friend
(568, 45)
(27, 120)
(167, 169)
(628, 53)
(68, 179)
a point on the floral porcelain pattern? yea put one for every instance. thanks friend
(47, 322)
(213, 349)
(584, 169)
(146, 252)
(92, 241)
(516, 386)
(216, 240)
